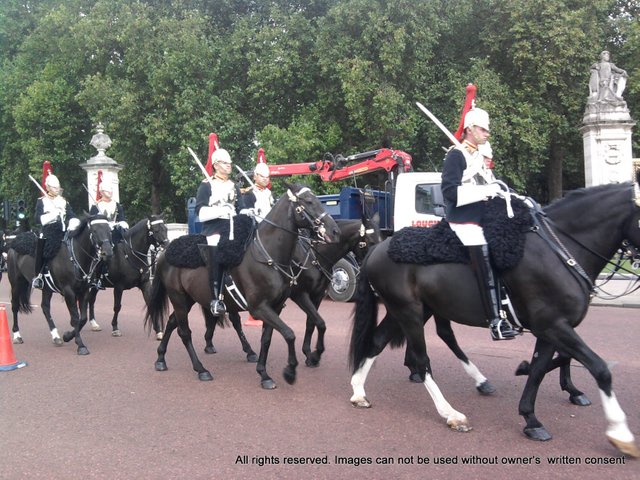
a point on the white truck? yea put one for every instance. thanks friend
(403, 198)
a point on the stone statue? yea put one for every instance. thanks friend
(607, 82)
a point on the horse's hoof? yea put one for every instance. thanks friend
(159, 336)
(628, 448)
(289, 375)
(18, 340)
(460, 427)
(252, 357)
(415, 378)
(539, 434)
(83, 351)
(96, 328)
(485, 388)
(523, 368)
(57, 342)
(161, 366)
(68, 336)
(580, 400)
(210, 349)
(116, 333)
(362, 402)
(268, 384)
(311, 362)
(205, 376)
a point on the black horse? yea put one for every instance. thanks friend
(130, 267)
(550, 289)
(263, 277)
(314, 262)
(70, 272)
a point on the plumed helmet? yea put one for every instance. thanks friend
(485, 150)
(477, 117)
(221, 155)
(52, 181)
(261, 169)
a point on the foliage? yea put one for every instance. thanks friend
(298, 79)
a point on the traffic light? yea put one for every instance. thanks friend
(12, 211)
(5, 211)
(21, 210)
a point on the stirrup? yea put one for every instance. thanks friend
(37, 282)
(501, 330)
(218, 307)
(98, 285)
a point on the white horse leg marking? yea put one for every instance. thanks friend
(616, 418)
(456, 420)
(54, 334)
(17, 338)
(95, 326)
(474, 373)
(359, 398)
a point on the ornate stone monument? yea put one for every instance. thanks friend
(101, 166)
(607, 125)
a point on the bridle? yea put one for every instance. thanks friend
(98, 248)
(317, 226)
(142, 257)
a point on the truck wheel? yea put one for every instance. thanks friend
(343, 282)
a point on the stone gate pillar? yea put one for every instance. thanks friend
(607, 126)
(103, 164)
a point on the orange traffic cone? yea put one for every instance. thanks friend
(252, 322)
(7, 357)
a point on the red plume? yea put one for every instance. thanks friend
(47, 170)
(98, 185)
(262, 158)
(214, 144)
(468, 105)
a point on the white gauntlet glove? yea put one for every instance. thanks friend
(74, 223)
(493, 189)
(124, 225)
(49, 217)
(216, 211)
(250, 212)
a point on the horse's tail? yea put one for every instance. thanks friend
(364, 321)
(24, 297)
(20, 286)
(158, 305)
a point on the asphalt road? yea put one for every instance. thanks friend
(110, 415)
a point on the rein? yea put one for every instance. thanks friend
(316, 224)
(543, 227)
(316, 256)
(94, 259)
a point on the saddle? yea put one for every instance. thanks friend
(439, 244)
(185, 251)
(25, 242)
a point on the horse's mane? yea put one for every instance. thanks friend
(575, 197)
(85, 218)
(139, 225)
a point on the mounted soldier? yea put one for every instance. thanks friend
(218, 200)
(467, 183)
(114, 212)
(54, 214)
(258, 196)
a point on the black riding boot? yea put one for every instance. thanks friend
(500, 327)
(38, 280)
(215, 281)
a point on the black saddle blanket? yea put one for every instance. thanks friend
(25, 243)
(184, 252)
(440, 244)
